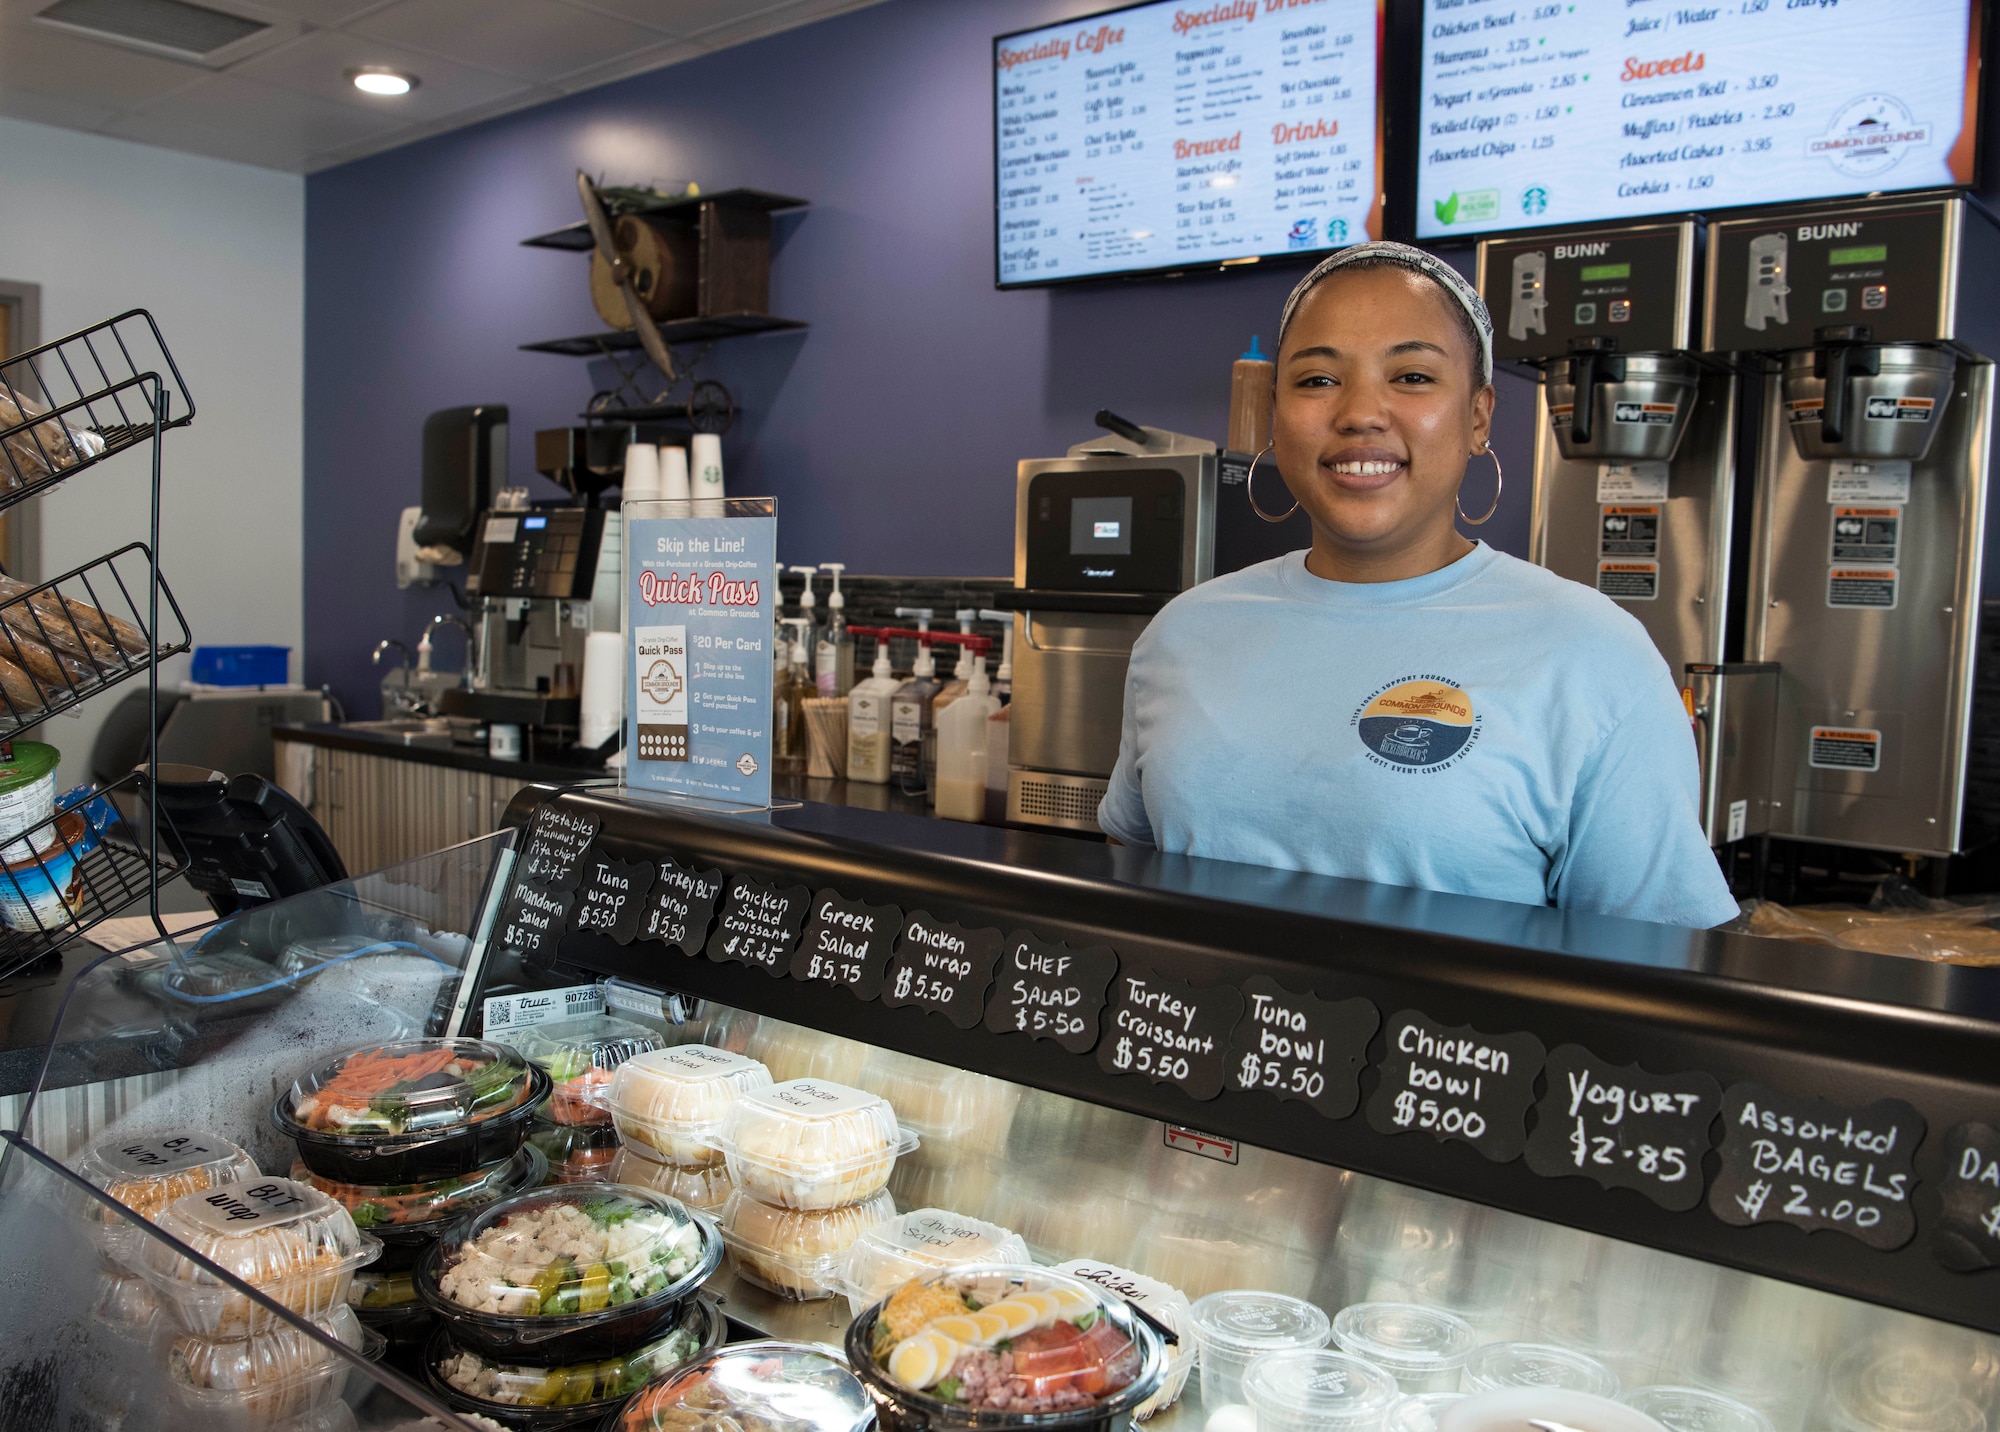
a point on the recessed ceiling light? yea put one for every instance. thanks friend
(377, 79)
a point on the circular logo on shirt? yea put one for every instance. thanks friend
(1417, 723)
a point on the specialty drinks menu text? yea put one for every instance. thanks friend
(1185, 133)
(1578, 111)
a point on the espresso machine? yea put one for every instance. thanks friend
(1871, 329)
(1635, 436)
(1103, 538)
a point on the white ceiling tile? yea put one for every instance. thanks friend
(230, 103)
(534, 39)
(59, 110)
(313, 12)
(35, 57)
(318, 65)
(671, 52)
(272, 148)
(758, 22)
(687, 17)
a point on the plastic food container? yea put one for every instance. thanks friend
(124, 1301)
(1315, 1390)
(568, 1274)
(1237, 1327)
(1691, 1409)
(1165, 1305)
(791, 1051)
(1523, 1364)
(705, 1188)
(810, 1144)
(1877, 1388)
(1420, 1413)
(406, 1216)
(387, 1303)
(669, 1104)
(146, 1172)
(41, 891)
(944, 1106)
(765, 1386)
(1511, 1409)
(580, 1056)
(890, 1253)
(798, 1253)
(251, 1384)
(534, 1397)
(1424, 1349)
(574, 1153)
(1080, 1357)
(288, 1240)
(411, 1111)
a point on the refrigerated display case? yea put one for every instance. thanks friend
(1741, 1182)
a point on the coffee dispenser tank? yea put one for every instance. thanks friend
(1858, 400)
(1633, 406)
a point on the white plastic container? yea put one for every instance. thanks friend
(1691, 1409)
(1165, 1305)
(1524, 1364)
(1316, 1390)
(669, 1104)
(146, 1173)
(868, 742)
(705, 1188)
(961, 748)
(809, 1144)
(256, 1383)
(290, 1241)
(892, 1252)
(1236, 1327)
(1424, 1349)
(798, 1254)
(952, 1110)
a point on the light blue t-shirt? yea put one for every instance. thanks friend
(1486, 729)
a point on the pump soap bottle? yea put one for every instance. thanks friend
(868, 721)
(910, 720)
(788, 712)
(963, 729)
(833, 660)
(1253, 385)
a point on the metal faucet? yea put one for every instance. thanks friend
(375, 658)
(471, 642)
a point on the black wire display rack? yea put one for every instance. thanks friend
(64, 407)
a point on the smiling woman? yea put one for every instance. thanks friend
(1399, 703)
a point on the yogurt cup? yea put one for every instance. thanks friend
(1314, 1390)
(27, 800)
(42, 891)
(1424, 1349)
(1235, 1328)
(1522, 1364)
(1691, 1409)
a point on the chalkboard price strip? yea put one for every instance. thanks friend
(553, 855)
(1452, 1082)
(1046, 990)
(1967, 1239)
(1817, 1165)
(1299, 1046)
(1622, 1127)
(759, 925)
(532, 920)
(941, 968)
(611, 895)
(847, 943)
(682, 906)
(1169, 1031)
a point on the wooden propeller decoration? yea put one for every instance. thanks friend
(621, 273)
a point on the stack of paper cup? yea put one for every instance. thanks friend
(641, 482)
(673, 474)
(705, 475)
(603, 688)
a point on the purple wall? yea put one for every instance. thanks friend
(888, 432)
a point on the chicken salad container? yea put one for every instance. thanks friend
(797, 1253)
(809, 1144)
(411, 1111)
(669, 1104)
(889, 1254)
(568, 1274)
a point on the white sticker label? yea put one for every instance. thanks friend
(245, 1208)
(501, 529)
(817, 1097)
(542, 1006)
(1862, 588)
(690, 1063)
(1631, 482)
(944, 1233)
(164, 1154)
(629, 999)
(1877, 480)
(1866, 534)
(1739, 821)
(1629, 581)
(250, 889)
(1842, 748)
(1132, 1287)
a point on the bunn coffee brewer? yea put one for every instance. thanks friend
(1103, 538)
(1871, 330)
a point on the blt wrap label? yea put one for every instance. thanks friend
(1299, 1046)
(1453, 1082)
(1622, 1127)
(557, 841)
(1046, 990)
(1967, 1239)
(681, 907)
(1169, 1031)
(610, 896)
(759, 925)
(1817, 1165)
(942, 968)
(847, 943)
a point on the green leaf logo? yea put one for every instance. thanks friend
(1447, 209)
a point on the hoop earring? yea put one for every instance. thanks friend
(1250, 491)
(1499, 485)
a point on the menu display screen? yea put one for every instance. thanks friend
(1579, 111)
(1185, 133)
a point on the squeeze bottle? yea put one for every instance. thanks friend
(868, 722)
(962, 733)
(910, 718)
(1253, 383)
(833, 661)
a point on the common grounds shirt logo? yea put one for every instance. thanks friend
(1417, 723)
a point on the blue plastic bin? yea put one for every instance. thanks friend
(241, 665)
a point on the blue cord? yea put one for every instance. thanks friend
(384, 947)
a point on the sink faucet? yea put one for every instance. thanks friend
(383, 645)
(471, 642)
(399, 698)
